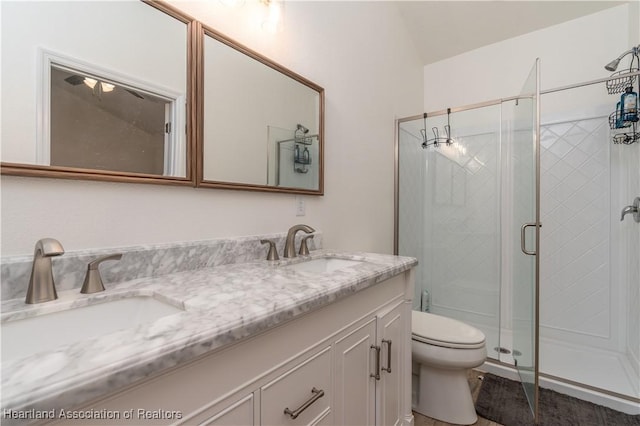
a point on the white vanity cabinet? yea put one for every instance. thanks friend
(368, 370)
(321, 367)
(391, 335)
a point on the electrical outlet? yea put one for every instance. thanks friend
(300, 207)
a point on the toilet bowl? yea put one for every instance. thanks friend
(444, 349)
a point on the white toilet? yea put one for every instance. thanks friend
(444, 349)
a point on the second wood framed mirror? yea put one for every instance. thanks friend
(261, 125)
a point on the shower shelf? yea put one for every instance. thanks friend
(626, 138)
(305, 140)
(614, 123)
(619, 84)
(628, 130)
(302, 161)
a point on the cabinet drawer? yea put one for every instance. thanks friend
(239, 413)
(297, 387)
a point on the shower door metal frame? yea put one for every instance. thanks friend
(510, 98)
(534, 398)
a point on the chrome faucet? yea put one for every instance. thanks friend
(290, 244)
(41, 285)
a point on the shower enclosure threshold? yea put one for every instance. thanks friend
(567, 387)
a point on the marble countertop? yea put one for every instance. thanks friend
(221, 305)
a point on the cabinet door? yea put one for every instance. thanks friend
(354, 387)
(390, 339)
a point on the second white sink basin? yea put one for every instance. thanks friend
(24, 337)
(323, 265)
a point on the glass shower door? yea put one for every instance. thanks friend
(522, 136)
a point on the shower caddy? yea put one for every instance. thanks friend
(623, 118)
(301, 154)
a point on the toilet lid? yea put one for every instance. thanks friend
(443, 331)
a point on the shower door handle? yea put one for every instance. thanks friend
(523, 239)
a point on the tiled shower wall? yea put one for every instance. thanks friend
(628, 157)
(590, 267)
(449, 219)
(462, 242)
(576, 294)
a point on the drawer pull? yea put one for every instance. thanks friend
(388, 342)
(317, 394)
(377, 373)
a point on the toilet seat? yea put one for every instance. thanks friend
(446, 332)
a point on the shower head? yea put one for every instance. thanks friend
(613, 65)
(303, 129)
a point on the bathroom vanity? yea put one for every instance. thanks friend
(321, 339)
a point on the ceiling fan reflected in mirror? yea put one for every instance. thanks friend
(99, 87)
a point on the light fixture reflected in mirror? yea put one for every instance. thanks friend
(90, 82)
(232, 3)
(272, 22)
(98, 88)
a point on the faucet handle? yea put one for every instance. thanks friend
(273, 252)
(93, 280)
(304, 250)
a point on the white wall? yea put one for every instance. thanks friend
(571, 52)
(361, 55)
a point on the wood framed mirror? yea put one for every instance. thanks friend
(261, 125)
(98, 90)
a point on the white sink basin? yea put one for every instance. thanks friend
(24, 337)
(323, 265)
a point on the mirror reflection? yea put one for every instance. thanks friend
(262, 123)
(97, 98)
(100, 124)
(293, 162)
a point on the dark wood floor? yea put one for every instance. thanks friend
(474, 384)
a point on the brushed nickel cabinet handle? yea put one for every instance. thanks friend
(388, 342)
(377, 373)
(317, 394)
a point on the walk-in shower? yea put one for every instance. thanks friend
(456, 210)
